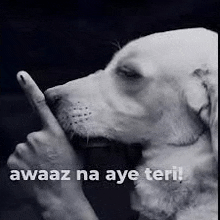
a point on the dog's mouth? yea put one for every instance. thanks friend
(132, 153)
(82, 142)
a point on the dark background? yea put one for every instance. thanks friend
(64, 40)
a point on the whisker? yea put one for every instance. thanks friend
(87, 139)
(116, 44)
(72, 133)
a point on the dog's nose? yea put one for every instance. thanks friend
(52, 97)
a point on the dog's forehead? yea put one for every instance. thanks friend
(179, 50)
(173, 40)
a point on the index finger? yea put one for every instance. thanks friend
(37, 99)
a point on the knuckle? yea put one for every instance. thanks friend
(15, 162)
(41, 102)
(31, 137)
(12, 161)
(21, 148)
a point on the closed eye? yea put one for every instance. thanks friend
(128, 73)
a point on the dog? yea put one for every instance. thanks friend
(160, 91)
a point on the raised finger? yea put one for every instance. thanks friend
(37, 100)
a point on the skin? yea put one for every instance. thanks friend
(49, 149)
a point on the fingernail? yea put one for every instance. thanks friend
(22, 79)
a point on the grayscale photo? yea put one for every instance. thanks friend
(109, 110)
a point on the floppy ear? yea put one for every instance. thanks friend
(212, 90)
(209, 79)
(213, 94)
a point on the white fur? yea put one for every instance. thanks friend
(171, 109)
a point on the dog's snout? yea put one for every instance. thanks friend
(52, 97)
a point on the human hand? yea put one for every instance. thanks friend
(48, 149)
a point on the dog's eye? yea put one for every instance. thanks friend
(127, 72)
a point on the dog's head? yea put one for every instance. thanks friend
(159, 88)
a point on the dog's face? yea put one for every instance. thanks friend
(152, 90)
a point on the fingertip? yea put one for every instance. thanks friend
(21, 77)
(35, 97)
(22, 72)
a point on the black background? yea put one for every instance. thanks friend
(64, 40)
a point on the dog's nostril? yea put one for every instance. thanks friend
(51, 97)
(53, 103)
(49, 93)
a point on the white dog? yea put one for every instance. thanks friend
(159, 91)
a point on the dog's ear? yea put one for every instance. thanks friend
(212, 89)
(213, 121)
(209, 80)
